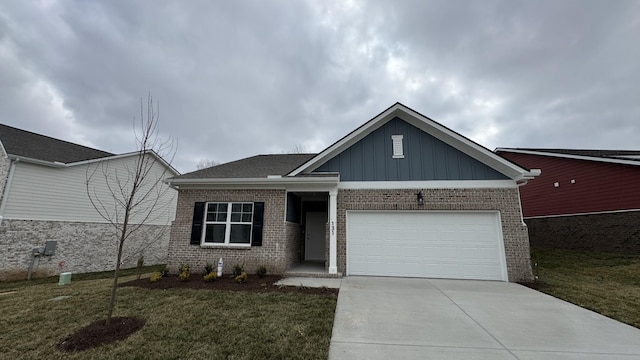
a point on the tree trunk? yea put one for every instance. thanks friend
(114, 285)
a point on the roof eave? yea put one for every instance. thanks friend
(30, 160)
(58, 164)
(271, 180)
(569, 156)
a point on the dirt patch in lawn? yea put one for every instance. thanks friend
(98, 333)
(228, 283)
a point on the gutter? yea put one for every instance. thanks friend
(7, 187)
(531, 174)
(55, 164)
(269, 180)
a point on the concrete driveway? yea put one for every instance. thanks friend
(401, 318)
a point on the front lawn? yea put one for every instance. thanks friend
(180, 323)
(605, 283)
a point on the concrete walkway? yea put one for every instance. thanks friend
(401, 318)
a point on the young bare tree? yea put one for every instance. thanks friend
(297, 149)
(206, 163)
(134, 191)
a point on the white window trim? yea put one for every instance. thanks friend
(228, 223)
(398, 146)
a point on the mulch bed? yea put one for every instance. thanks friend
(98, 333)
(228, 283)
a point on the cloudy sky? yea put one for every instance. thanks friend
(239, 78)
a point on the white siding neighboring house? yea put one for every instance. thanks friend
(44, 197)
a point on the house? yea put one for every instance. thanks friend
(399, 196)
(45, 198)
(584, 199)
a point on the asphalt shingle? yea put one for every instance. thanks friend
(25, 143)
(259, 166)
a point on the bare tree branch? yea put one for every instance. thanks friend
(206, 163)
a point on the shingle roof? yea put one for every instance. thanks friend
(25, 143)
(616, 154)
(259, 166)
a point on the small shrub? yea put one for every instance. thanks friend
(210, 277)
(238, 269)
(156, 276)
(184, 273)
(261, 271)
(164, 271)
(208, 268)
(242, 278)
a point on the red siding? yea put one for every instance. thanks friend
(598, 186)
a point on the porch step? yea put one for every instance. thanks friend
(310, 274)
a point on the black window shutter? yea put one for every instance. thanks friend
(196, 225)
(258, 216)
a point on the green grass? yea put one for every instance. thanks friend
(7, 285)
(180, 323)
(605, 283)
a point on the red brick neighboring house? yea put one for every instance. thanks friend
(584, 199)
(401, 195)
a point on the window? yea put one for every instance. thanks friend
(228, 223)
(398, 151)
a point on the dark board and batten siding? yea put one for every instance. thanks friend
(425, 158)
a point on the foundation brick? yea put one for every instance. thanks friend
(84, 247)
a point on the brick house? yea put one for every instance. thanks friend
(583, 200)
(44, 198)
(399, 196)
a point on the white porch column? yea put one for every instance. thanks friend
(333, 238)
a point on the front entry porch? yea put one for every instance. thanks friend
(311, 212)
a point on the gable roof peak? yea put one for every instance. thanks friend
(429, 126)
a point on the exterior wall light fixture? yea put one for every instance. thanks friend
(420, 198)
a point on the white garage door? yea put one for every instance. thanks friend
(454, 245)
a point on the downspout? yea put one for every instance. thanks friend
(7, 187)
(520, 201)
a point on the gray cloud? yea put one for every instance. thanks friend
(235, 79)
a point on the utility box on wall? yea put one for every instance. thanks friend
(50, 247)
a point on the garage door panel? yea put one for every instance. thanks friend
(465, 245)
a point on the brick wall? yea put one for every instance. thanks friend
(293, 236)
(277, 237)
(516, 242)
(614, 232)
(84, 247)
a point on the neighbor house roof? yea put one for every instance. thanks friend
(259, 166)
(629, 157)
(22, 143)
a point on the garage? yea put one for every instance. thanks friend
(453, 244)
